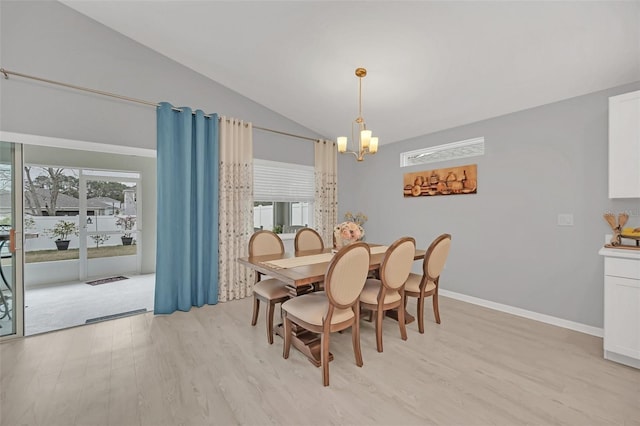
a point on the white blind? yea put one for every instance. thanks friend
(276, 181)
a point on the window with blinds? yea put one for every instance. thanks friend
(276, 181)
(283, 196)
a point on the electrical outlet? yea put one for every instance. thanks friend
(565, 219)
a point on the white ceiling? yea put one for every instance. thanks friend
(431, 65)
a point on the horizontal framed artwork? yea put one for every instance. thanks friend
(450, 181)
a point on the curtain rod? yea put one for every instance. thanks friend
(128, 99)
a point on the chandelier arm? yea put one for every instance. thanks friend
(359, 156)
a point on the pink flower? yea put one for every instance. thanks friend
(347, 233)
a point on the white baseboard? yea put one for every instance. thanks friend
(622, 359)
(576, 326)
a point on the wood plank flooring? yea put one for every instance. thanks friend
(209, 366)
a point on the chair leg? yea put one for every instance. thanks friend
(270, 311)
(421, 315)
(324, 358)
(379, 316)
(436, 310)
(256, 309)
(287, 337)
(402, 323)
(355, 338)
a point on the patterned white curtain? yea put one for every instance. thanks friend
(236, 207)
(325, 213)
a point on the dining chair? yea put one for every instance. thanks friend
(270, 291)
(425, 285)
(308, 239)
(336, 309)
(386, 293)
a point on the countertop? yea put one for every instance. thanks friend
(614, 252)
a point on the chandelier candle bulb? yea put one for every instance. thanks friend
(373, 145)
(342, 144)
(365, 138)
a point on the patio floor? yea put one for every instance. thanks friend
(53, 307)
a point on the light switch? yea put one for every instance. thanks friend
(565, 219)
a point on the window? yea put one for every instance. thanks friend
(283, 194)
(450, 151)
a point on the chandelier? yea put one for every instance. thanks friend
(366, 143)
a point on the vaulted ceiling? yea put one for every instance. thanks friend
(431, 65)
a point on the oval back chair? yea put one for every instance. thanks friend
(271, 291)
(336, 309)
(425, 285)
(308, 239)
(386, 293)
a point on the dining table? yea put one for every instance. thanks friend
(303, 272)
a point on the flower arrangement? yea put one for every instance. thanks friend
(359, 218)
(347, 233)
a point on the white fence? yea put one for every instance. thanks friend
(44, 241)
(37, 238)
(300, 214)
(263, 217)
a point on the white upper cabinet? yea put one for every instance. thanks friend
(624, 145)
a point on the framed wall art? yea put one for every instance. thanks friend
(449, 181)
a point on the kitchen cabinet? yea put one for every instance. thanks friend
(622, 306)
(624, 145)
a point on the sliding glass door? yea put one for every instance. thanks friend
(110, 226)
(11, 304)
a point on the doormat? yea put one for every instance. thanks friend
(107, 280)
(114, 316)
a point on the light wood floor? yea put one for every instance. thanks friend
(209, 366)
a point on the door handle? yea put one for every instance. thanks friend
(12, 240)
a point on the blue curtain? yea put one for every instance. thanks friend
(187, 237)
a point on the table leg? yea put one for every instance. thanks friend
(302, 339)
(299, 291)
(393, 313)
(306, 342)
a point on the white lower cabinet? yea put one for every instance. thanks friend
(622, 307)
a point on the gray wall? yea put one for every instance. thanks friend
(49, 40)
(506, 245)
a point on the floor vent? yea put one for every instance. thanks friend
(114, 316)
(107, 280)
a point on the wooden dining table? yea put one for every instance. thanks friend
(303, 272)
